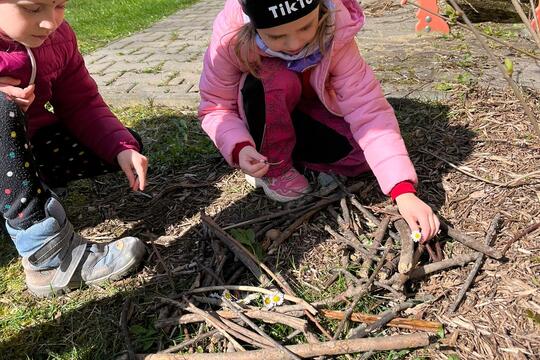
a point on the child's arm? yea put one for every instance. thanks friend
(219, 88)
(80, 107)
(375, 127)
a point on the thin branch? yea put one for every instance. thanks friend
(478, 264)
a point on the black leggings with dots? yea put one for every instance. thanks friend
(53, 157)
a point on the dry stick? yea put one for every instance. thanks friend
(471, 243)
(292, 228)
(252, 325)
(377, 239)
(407, 247)
(526, 21)
(384, 319)
(245, 256)
(422, 271)
(189, 342)
(246, 335)
(402, 323)
(345, 211)
(492, 38)
(529, 229)
(364, 290)
(266, 316)
(287, 297)
(478, 264)
(501, 68)
(339, 347)
(369, 216)
(165, 267)
(319, 204)
(124, 327)
(348, 241)
(223, 329)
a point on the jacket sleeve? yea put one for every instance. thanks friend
(80, 107)
(373, 122)
(219, 109)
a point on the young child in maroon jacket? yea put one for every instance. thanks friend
(41, 149)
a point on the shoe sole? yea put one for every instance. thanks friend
(258, 183)
(48, 290)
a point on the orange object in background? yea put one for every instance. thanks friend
(428, 22)
(533, 22)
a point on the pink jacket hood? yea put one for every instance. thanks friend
(343, 81)
(63, 80)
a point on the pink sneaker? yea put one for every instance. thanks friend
(290, 186)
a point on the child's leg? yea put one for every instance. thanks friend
(324, 141)
(268, 103)
(23, 197)
(61, 159)
(54, 257)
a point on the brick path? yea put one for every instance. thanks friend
(163, 63)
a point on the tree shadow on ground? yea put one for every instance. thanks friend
(186, 248)
(497, 11)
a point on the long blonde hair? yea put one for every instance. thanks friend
(247, 51)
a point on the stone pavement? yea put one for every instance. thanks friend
(163, 63)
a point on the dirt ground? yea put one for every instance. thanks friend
(476, 156)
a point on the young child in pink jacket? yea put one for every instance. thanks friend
(41, 149)
(284, 87)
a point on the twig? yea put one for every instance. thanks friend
(407, 247)
(529, 229)
(352, 242)
(271, 317)
(345, 211)
(511, 82)
(330, 348)
(165, 267)
(402, 323)
(189, 342)
(252, 325)
(384, 319)
(319, 204)
(239, 251)
(292, 228)
(422, 271)
(478, 264)
(369, 216)
(210, 320)
(471, 243)
(526, 21)
(377, 239)
(287, 297)
(124, 326)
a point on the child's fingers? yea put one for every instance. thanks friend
(7, 80)
(426, 229)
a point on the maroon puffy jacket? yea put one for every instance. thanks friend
(63, 80)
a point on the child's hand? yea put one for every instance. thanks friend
(134, 166)
(22, 97)
(418, 215)
(251, 162)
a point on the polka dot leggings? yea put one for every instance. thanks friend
(53, 157)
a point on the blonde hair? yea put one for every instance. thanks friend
(247, 51)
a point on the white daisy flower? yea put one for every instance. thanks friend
(267, 302)
(416, 236)
(277, 298)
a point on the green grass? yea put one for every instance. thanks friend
(98, 22)
(85, 324)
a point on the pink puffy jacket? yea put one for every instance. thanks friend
(343, 81)
(63, 80)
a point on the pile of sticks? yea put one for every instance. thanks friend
(232, 322)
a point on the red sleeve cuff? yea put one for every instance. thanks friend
(403, 187)
(236, 150)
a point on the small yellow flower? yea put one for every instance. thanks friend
(416, 236)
